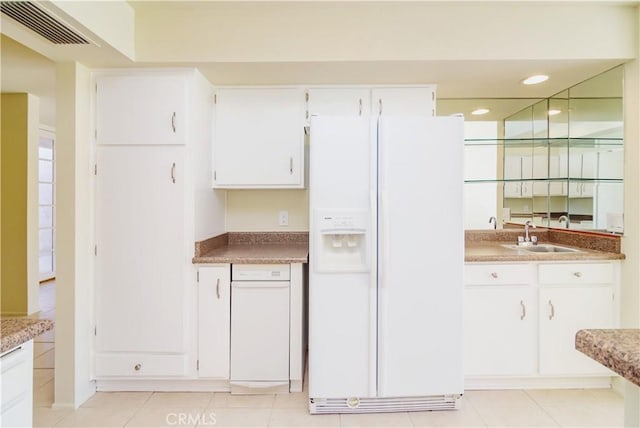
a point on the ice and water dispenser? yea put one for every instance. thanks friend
(342, 241)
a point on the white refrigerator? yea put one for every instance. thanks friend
(386, 264)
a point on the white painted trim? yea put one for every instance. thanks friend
(187, 385)
(538, 382)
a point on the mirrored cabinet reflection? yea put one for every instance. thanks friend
(558, 162)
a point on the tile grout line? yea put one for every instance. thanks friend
(542, 408)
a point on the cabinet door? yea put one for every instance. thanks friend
(564, 311)
(141, 109)
(499, 331)
(214, 321)
(589, 172)
(140, 263)
(259, 138)
(419, 101)
(339, 102)
(512, 171)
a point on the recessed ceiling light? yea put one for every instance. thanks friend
(554, 112)
(479, 111)
(533, 80)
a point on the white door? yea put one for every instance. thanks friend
(418, 101)
(259, 137)
(421, 256)
(499, 331)
(46, 205)
(260, 331)
(339, 102)
(141, 109)
(140, 262)
(564, 311)
(214, 321)
(342, 316)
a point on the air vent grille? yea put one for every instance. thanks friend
(39, 21)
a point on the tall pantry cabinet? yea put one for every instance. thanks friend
(153, 200)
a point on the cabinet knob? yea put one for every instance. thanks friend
(577, 274)
(137, 367)
(494, 274)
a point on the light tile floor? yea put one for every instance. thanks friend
(501, 408)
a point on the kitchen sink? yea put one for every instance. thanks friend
(543, 248)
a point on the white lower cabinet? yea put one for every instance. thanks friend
(520, 328)
(573, 297)
(214, 321)
(16, 394)
(499, 330)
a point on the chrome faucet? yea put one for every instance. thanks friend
(493, 220)
(528, 224)
(565, 219)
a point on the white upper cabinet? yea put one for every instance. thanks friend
(404, 101)
(259, 138)
(143, 109)
(339, 102)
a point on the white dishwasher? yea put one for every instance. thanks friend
(259, 328)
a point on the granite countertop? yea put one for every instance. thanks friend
(617, 349)
(488, 246)
(16, 331)
(254, 247)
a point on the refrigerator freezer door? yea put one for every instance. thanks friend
(421, 256)
(342, 357)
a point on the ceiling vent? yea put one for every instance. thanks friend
(43, 23)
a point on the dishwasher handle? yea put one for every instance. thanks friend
(259, 284)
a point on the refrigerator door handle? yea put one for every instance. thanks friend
(384, 213)
(373, 299)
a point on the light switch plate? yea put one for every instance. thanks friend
(283, 218)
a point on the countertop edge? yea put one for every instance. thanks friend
(616, 349)
(248, 260)
(34, 327)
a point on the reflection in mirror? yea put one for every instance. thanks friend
(546, 160)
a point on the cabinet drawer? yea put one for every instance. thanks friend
(140, 365)
(576, 273)
(17, 371)
(497, 274)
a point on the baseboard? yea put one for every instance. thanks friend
(163, 385)
(537, 382)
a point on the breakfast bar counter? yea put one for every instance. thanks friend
(16, 331)
(617, 349)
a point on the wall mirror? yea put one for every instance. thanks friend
(558, 161)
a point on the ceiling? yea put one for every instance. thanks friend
(24, 70)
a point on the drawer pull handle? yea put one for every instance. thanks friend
(173, 122)
(494, 274)
(218, 288)
(137, 367)
(173, 173)
(523, 314)
(553, 310)
(577, 274)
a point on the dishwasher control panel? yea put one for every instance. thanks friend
(260, 272)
